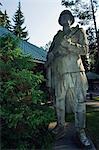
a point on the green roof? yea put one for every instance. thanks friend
(37, 53)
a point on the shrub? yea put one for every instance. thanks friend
(24, 120)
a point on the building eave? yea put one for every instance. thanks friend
(38, 61)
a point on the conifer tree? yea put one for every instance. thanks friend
(4, 20)
(7, 22)
(18, 19)
(1, 16)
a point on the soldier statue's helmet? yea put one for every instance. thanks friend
(64, 13)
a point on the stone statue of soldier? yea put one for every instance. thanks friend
(66, 74)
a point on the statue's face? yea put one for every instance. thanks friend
(66, 20)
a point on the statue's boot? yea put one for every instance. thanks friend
(83, 138)
(59, 131)
(58, 128)
(80, 123)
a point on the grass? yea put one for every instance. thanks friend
(93, 126)
(96, 98)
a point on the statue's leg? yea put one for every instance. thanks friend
(60, 111)
(77, 92)
(80, 114)
(80, 120)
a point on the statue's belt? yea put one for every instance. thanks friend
(72, 72)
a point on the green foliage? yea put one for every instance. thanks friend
(93, 60)
(1, 18)
(93, 51)
(7, 22)
(4, 20)
(68, 3)
(23, 117)
(81, 9)
(18, 30)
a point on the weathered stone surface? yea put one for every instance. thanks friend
(67, 82)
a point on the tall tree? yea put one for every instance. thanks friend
(4, 19)
(7, 22)
(92, 49)
(18, 28)
(97, 66)
(1, 17)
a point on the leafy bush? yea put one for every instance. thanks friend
(24, 120)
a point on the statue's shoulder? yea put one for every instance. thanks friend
(59, 35)
(60, 32)
(56, 40)
(78, 30)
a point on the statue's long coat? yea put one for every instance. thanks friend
(66, 74)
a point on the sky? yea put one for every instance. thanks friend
(41, 18)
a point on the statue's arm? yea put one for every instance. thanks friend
(56, 48)
(48, 73)
(50, 58)
(80, 47)
(48, 65)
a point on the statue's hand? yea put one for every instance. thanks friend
(65, 42)
(70, 43)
